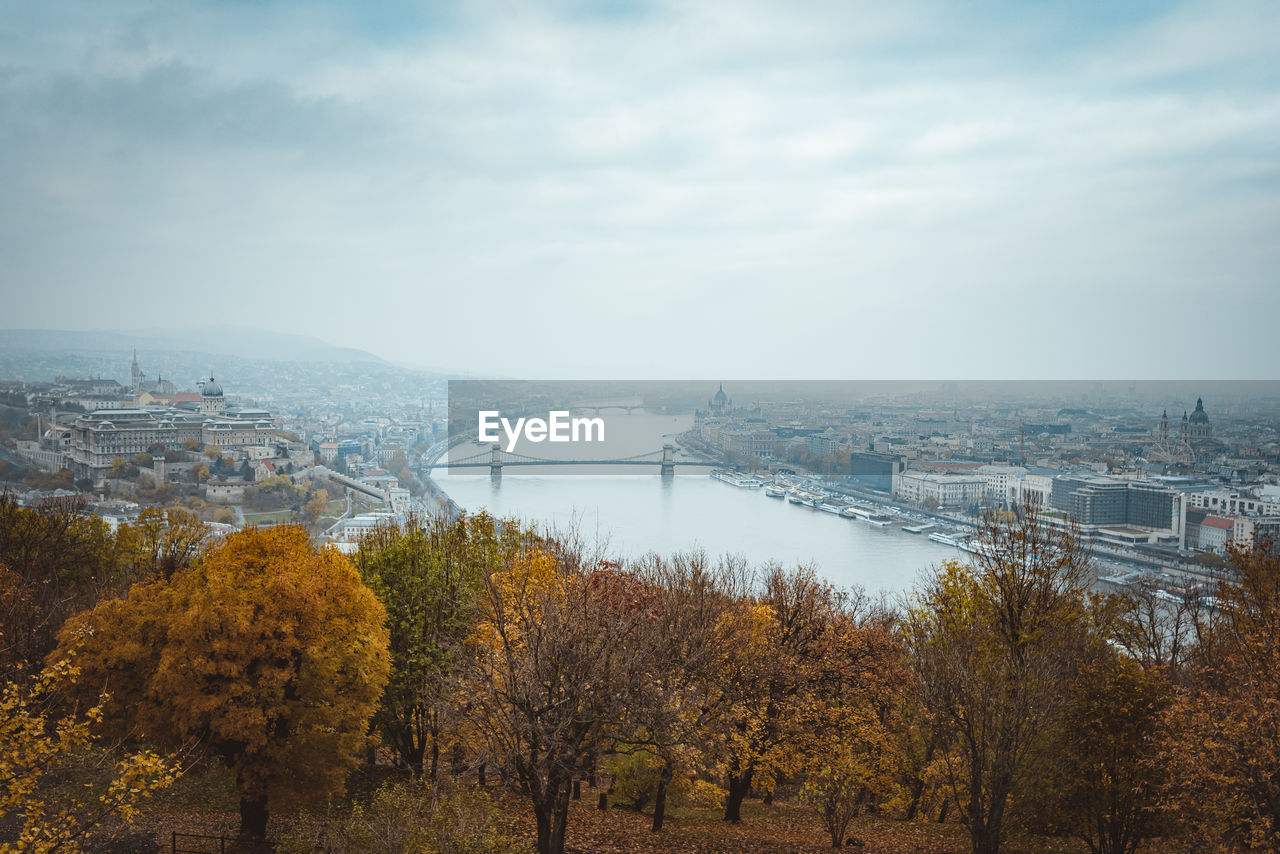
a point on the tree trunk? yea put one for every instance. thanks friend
(253, 816)
(560, 819)
(551, 813)
(603, 803)
(480, 776)
(917, 782)
(985, 840)
(739, 785)
(457, 760)
(660, 797)
(577, 790)
(435, 758)
(542, 818)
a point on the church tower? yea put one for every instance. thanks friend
(135, 375)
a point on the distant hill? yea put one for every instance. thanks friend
(234, 341)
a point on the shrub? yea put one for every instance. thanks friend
(411, 818)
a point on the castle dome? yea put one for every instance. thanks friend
(211, 389)
(721, 398)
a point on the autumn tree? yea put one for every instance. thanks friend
(38, 742)
(429, 574)
(995, 646)
(315, 506)
(1225, 762)
(160, 542)
(851, 755)
(1155, 629)
(54, 561)
(779, 660)
(686, 644)
(270, 652)
(1105, 781)
(553, 666)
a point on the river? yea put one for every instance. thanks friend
(639, 513)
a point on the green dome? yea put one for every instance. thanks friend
(211, 389)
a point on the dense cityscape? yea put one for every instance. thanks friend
(1172, 492)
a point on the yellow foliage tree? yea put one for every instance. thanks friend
(269, 651)
(34, 742)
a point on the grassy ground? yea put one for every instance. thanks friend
(273, 517)
(205, 803)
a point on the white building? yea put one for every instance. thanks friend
(1002, 482)
(948, 490)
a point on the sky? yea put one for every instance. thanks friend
(728, 188)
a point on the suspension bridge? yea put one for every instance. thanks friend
(497, 459)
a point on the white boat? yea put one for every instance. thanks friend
(742, 481)
(775, 491)
(953, 540)
(975, 546)
(831, 508)
(880, 520)
(920, 528)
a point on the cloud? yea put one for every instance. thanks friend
(849, 175)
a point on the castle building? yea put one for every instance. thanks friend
(98, 437)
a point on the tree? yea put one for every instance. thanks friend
(54, 561)
(1106, 782)
(852, 758)
(270, 652)
(779, 660)
(686, 643)
(160, 542)
(554, 665)
(1226, 718)
(315, 506)
(36, 743)
(429, 575)
(995, 646)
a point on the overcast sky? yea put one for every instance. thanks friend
(613, 189)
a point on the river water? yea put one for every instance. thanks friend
(639, 513)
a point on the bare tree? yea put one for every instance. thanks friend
(556, 658)
(995, 646)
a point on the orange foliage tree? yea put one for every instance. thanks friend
(778, 663)
(270, 652)
(1224, 761)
